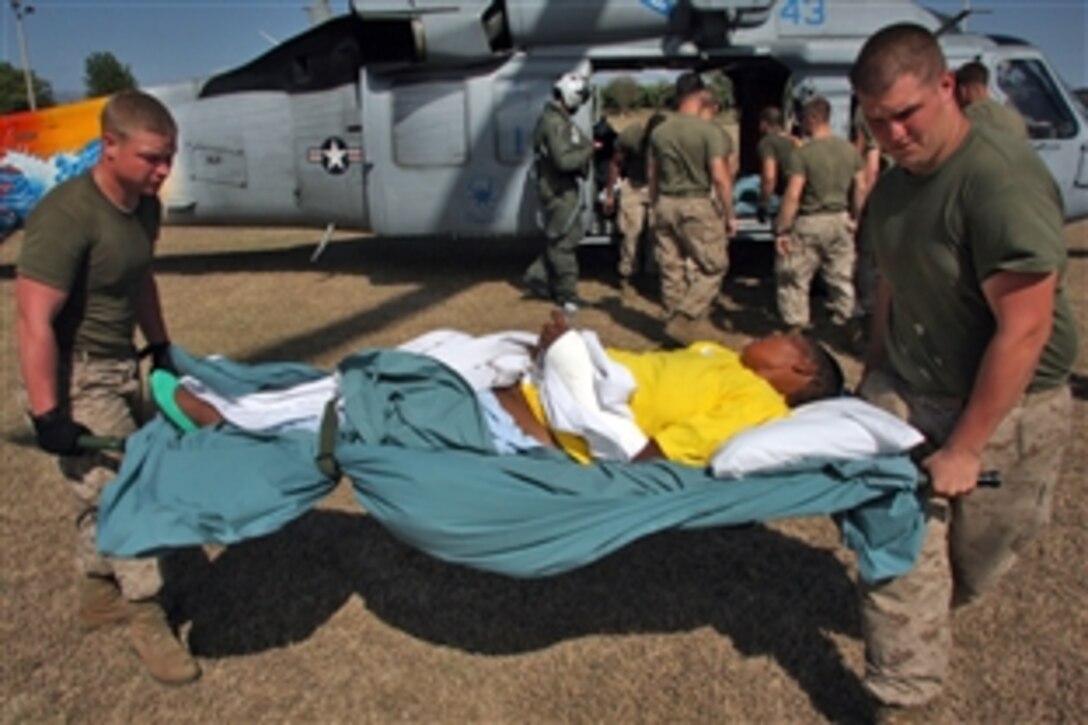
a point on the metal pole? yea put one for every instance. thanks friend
(17, 6)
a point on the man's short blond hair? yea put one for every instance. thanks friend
(132, 110)
(895, 51)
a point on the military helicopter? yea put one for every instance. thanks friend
(412, 118)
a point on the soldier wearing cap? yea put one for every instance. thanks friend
(689, 159)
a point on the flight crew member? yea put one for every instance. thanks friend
(814, 229)
(627, 167)
(562, 156)
(973, 94)
(973, 341)
(688, 158)
(83, 284)
(774, 149)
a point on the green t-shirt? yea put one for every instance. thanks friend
(778, 147)
(632, 141)
(828, 165)
(79, 242)
(683, 147)
(989, 112)
(991, 207)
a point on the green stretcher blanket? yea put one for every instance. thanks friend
(418, 453)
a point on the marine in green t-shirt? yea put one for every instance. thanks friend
(814, 232)
(776, 147)
(988, 112)
(77, 241)
(973, 94)
(632, 142)
(991, 207)
(683, 147)
(829, 166)
(84, 284)
(691, 194)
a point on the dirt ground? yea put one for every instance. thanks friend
(332, 620)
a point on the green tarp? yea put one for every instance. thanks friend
(418, 453)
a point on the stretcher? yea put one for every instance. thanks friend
(418, 456)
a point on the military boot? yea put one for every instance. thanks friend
(101, 603)
(155, 643)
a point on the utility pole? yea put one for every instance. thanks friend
(21, 10)
(967, 13)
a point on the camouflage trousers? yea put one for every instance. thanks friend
(820, 243)
(692, 252)
(556, 268)
(106, 396)
(632, 220)
(971, 541)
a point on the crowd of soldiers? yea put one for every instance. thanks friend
(669, 185)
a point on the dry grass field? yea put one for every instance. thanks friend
(332, 620)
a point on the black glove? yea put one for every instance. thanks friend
(160, 356)
(761, 214)
(58, 433)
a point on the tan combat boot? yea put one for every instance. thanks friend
(164, 656)
(101, 603)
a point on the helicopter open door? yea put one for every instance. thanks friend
(1056, 126)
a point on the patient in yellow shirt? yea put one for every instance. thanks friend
(690, 401)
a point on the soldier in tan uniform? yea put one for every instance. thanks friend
(973, 94)
(815, 229)
(774, 150)
(973, 341)
(688, 158)
(84, 283)
(627, 168)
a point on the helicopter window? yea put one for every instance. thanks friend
(429, 124)
(1034, 93)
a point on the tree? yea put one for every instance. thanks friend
(13, 90)
(103, 75)
(622, 94)
(721, 86)
(659, 95)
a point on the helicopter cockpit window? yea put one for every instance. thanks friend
(1033, 92)
(429, 124)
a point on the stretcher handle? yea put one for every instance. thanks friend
(990, 478)
(986, 479)
(101, 443)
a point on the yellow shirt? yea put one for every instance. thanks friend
(690, 401)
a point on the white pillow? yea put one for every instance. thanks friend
(838, 428)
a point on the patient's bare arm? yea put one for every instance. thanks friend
(555, 327)
(512, 400)
(650, 452)
(200, 412)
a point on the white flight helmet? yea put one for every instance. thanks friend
(573, 90)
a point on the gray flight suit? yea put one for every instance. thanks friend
(562, 155)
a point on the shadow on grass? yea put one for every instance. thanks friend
(437, 270)
(770, 594)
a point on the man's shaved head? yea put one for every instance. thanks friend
(894, 51)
